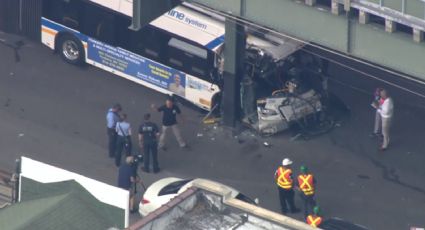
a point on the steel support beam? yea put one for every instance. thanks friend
(145, 11)
(234, 54)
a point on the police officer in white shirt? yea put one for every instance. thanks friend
(123, 130)
(385, 108)
(112, 117)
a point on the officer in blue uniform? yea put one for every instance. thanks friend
(112, 117)
(148, 135)
(123, 130)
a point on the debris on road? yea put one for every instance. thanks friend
(295, 137)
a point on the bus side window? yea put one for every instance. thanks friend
(98, 24)
(193, 59)
(71, 14)
(53, 10)
(63, 12)
(149, 42)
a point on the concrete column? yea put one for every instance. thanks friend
(390, 26)
(336, 7)
(347, 5)
(418, 35)
(234, 56)
(363, 17)
(310, 2)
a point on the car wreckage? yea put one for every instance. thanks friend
(284, 107)
(280, 93)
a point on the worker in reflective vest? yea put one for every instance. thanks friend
(306, 185)
(284, 181)
(315, 220)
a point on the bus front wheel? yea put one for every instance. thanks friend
(71, 49)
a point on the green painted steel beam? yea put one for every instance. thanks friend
(145, 11)
(395, 51)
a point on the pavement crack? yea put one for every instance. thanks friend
(390, 175)
(16, 46)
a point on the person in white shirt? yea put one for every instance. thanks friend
(385, 109)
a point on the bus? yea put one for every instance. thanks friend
(179, 53)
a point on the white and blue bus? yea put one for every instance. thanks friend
(179, 53)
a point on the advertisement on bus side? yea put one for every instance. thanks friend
(137, 66)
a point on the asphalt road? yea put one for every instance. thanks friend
(55, 113)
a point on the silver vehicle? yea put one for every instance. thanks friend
(287, 106)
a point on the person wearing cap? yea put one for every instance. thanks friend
(306, 185)
(285, 185)
(314, 219)
(112, 117)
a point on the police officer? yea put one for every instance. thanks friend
(285, 185)
(148, 134)
(123, 130)
(112, 117)
(306, 185)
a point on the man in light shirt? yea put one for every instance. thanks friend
(385, 109)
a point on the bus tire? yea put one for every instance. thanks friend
(71, 49)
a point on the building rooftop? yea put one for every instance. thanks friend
(205, 206)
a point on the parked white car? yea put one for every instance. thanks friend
(162, 191)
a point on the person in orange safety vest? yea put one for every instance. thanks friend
(285, 185)
(306, 185)
(314, 219)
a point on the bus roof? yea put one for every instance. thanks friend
(193, 26)
(205, 28)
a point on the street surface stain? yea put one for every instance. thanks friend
(365, 177)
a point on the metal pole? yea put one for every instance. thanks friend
(16, 177)
(243, 8)
(135, 21)
(403, 6)
(20, 15)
